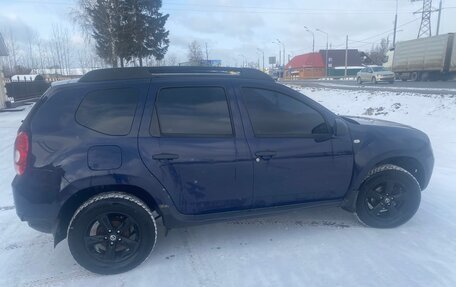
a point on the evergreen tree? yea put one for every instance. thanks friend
(150, 36)
(125, 29)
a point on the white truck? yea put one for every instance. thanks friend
(432, 58)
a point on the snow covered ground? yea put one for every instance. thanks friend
(314, 247)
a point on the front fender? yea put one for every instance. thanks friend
(374, 145)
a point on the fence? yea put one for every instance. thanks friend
(26, 90)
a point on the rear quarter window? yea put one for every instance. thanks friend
(109, 111)
(54, 111)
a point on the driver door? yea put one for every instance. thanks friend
(291, 148)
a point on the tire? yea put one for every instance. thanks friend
(358, 80)
(415, 77)
(391, 82)
(374, 80)
(112, 233)
(389, 197)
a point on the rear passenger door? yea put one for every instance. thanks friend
(192, 141)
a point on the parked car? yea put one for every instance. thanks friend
(374, 74)
(100, 159)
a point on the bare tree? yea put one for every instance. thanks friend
(195, 53)
(378, 53)
(32, 39)
(61, 48)
(171, 60)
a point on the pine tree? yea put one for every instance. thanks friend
(150, 35)
(125, 29)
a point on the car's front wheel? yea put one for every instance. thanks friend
(389, 197)
(359, 81)
(112, 233)
(374, 80)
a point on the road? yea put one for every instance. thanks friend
(437, 87)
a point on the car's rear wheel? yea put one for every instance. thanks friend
(112, 233)
(389, 197)
(359, 81)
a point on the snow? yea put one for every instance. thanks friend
(312, 247)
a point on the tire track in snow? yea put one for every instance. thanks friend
(59, 279)
(27, 244)
(300, 223)
(3, 208)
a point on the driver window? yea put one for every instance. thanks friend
(278, 115)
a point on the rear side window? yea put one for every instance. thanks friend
(278, 115)
(193, 111)
(109, 112)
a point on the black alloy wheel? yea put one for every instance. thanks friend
(112, 233)
(112, 237)
(389, 197)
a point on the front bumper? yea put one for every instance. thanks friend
(385, 79)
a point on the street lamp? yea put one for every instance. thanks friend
(261, 51)
(326, 52)
(283, 46)
(313, 38)
(280, 53)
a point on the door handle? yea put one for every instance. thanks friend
(266, 155)
(165, 156)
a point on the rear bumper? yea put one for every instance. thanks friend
(36, 202)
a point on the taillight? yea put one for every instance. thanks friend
(21, 149)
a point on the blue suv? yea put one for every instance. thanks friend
(101, 158)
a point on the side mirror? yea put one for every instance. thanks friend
(340, 127)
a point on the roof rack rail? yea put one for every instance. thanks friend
(112, 74)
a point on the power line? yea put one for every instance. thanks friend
(204, 8)
(377, 35)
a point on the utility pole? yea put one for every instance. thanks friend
(284, 60)
(346, 55)
(438, 19)
(395, 27)
(280, 54)
(326, 52)
(244, 60)
(207, 55)
(261, 51)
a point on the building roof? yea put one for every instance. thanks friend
(336, 58)
(310, 60)
(3, 50)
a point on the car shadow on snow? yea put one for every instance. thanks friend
(254, 229)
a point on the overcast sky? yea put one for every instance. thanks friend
(234, 30)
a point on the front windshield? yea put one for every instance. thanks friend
(378, 69)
